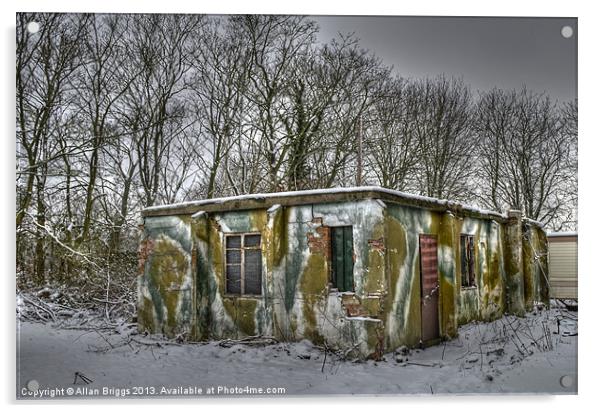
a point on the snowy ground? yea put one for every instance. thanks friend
(511, 355)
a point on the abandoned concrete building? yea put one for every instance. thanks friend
(362, 269)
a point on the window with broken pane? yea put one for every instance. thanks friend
(467, 260)
(243, 264)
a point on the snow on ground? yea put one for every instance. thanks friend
(510, 355)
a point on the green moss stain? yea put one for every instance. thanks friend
(257, 220)
(242, 312)
(459, 223)
(277, 238)
(528, 270)
(313, 285)
(174, 227)
(513, 257)
(374, 282)
(201, 237)
(146, 319)
(396, 252)
(216, 253)
(486, 301)
(167, 273)
(242, 221)
(447, 274)
(493, 291)
(435, 220)
(246, 316)
(165, 283)
(402, 304)
(493, 302)
(314, 280)
(200, 229)
(373, 306)
(469, 306)
(271, 317)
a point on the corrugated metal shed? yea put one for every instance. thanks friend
(563, 264)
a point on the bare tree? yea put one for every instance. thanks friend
(569, 130)
(275, 42)
(160, 47)
(45, 61)
(101, 82)
(356, 75)
(524, 157)
(220, 81)
(392, 156)
(443, 138)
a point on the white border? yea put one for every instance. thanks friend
(589, 160)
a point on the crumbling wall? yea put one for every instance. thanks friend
(296, 300)
(182, 280)
(347, 320)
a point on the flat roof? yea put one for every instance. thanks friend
(314, 196)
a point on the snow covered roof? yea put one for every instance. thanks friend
(267, 200)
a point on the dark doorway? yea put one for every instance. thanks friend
(342, 257)
(429, 287)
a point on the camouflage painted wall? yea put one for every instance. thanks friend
(182, 279)
(166, 291)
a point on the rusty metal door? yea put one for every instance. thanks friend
(429, 282)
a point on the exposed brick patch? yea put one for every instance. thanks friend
(352, 305)
(355, 310)
(319, 241)
(377, 244)
(145, 249)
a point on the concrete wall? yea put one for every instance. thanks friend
(182, 280)
(535, 266)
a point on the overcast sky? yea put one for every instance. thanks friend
(485, 52)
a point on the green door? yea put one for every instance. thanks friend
(342, 258)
